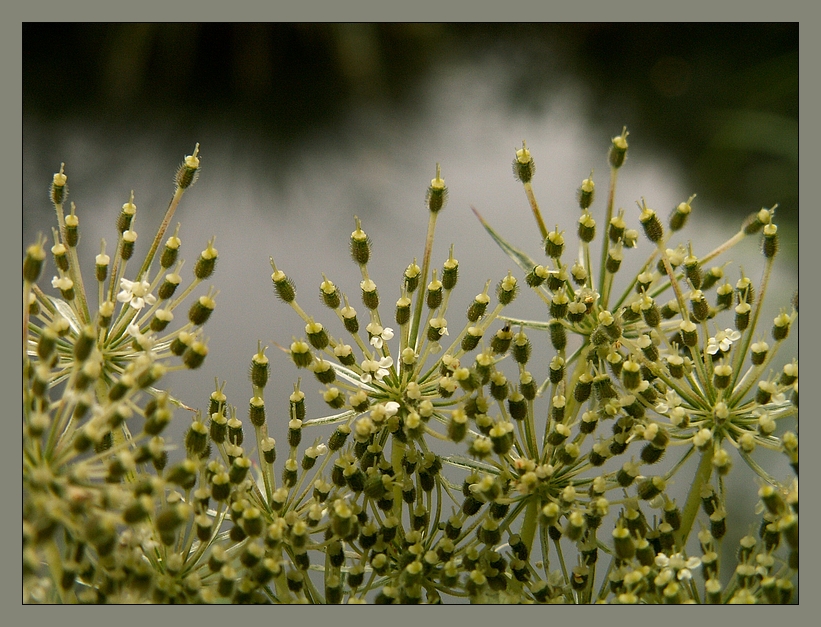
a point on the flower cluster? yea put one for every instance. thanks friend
(646, 367)
(456, 462)
(95, 506)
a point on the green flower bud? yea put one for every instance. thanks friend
(437, 193)
(207, 262)
(618, 150)
(523, 165)
(188, 172)
(651, 224)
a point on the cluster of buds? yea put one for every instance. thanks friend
(653, 362)
(458, 466)
(92, 412)
(634, 377)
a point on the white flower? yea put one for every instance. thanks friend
(379, 335)
(723, 340)
(672, 400)
(146, 341)
(62, 284)
(137, 292)
(375, 370)
(678, 564)
(382, 411)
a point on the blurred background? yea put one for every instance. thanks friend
(303, 126)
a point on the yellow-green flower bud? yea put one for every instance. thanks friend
(679, 215)
(437, 193)
(201, 310)
(205, 265)
(651, 224)
(618, 149)
(188, 172)
(59, 189)
(523, 165)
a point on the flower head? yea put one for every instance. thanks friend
(373, 370)
(379, 335)
(677, 564)
(136, 293)
(722, 341)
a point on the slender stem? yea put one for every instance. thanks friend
(611, 198)
(397, 453)
(423, 281)
(741, 351)
(172, 207)
(691, 506)
(531, 198)
(530, 522)
(735, 239)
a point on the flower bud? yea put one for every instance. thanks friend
(781, 327)
(59, 189)
(437, 193)
(651, 223)
(283, 285)
(434, 293)
(586, 192)
(206, 263)
(507, 289)
(769, 242)
(523, 165)
(618, 150)
(201, 310)
(370, 295)
(554, 244)
(679, 215)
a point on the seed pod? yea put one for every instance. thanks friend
(618, 150)
(523, 165)
(586, 192)
(437, 193)
(651, 224)
(679, 215)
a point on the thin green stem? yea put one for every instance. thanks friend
(172, 207)
(530, 522)
(611, 198)
(423, 281)
(534, 206)
(693, 502)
